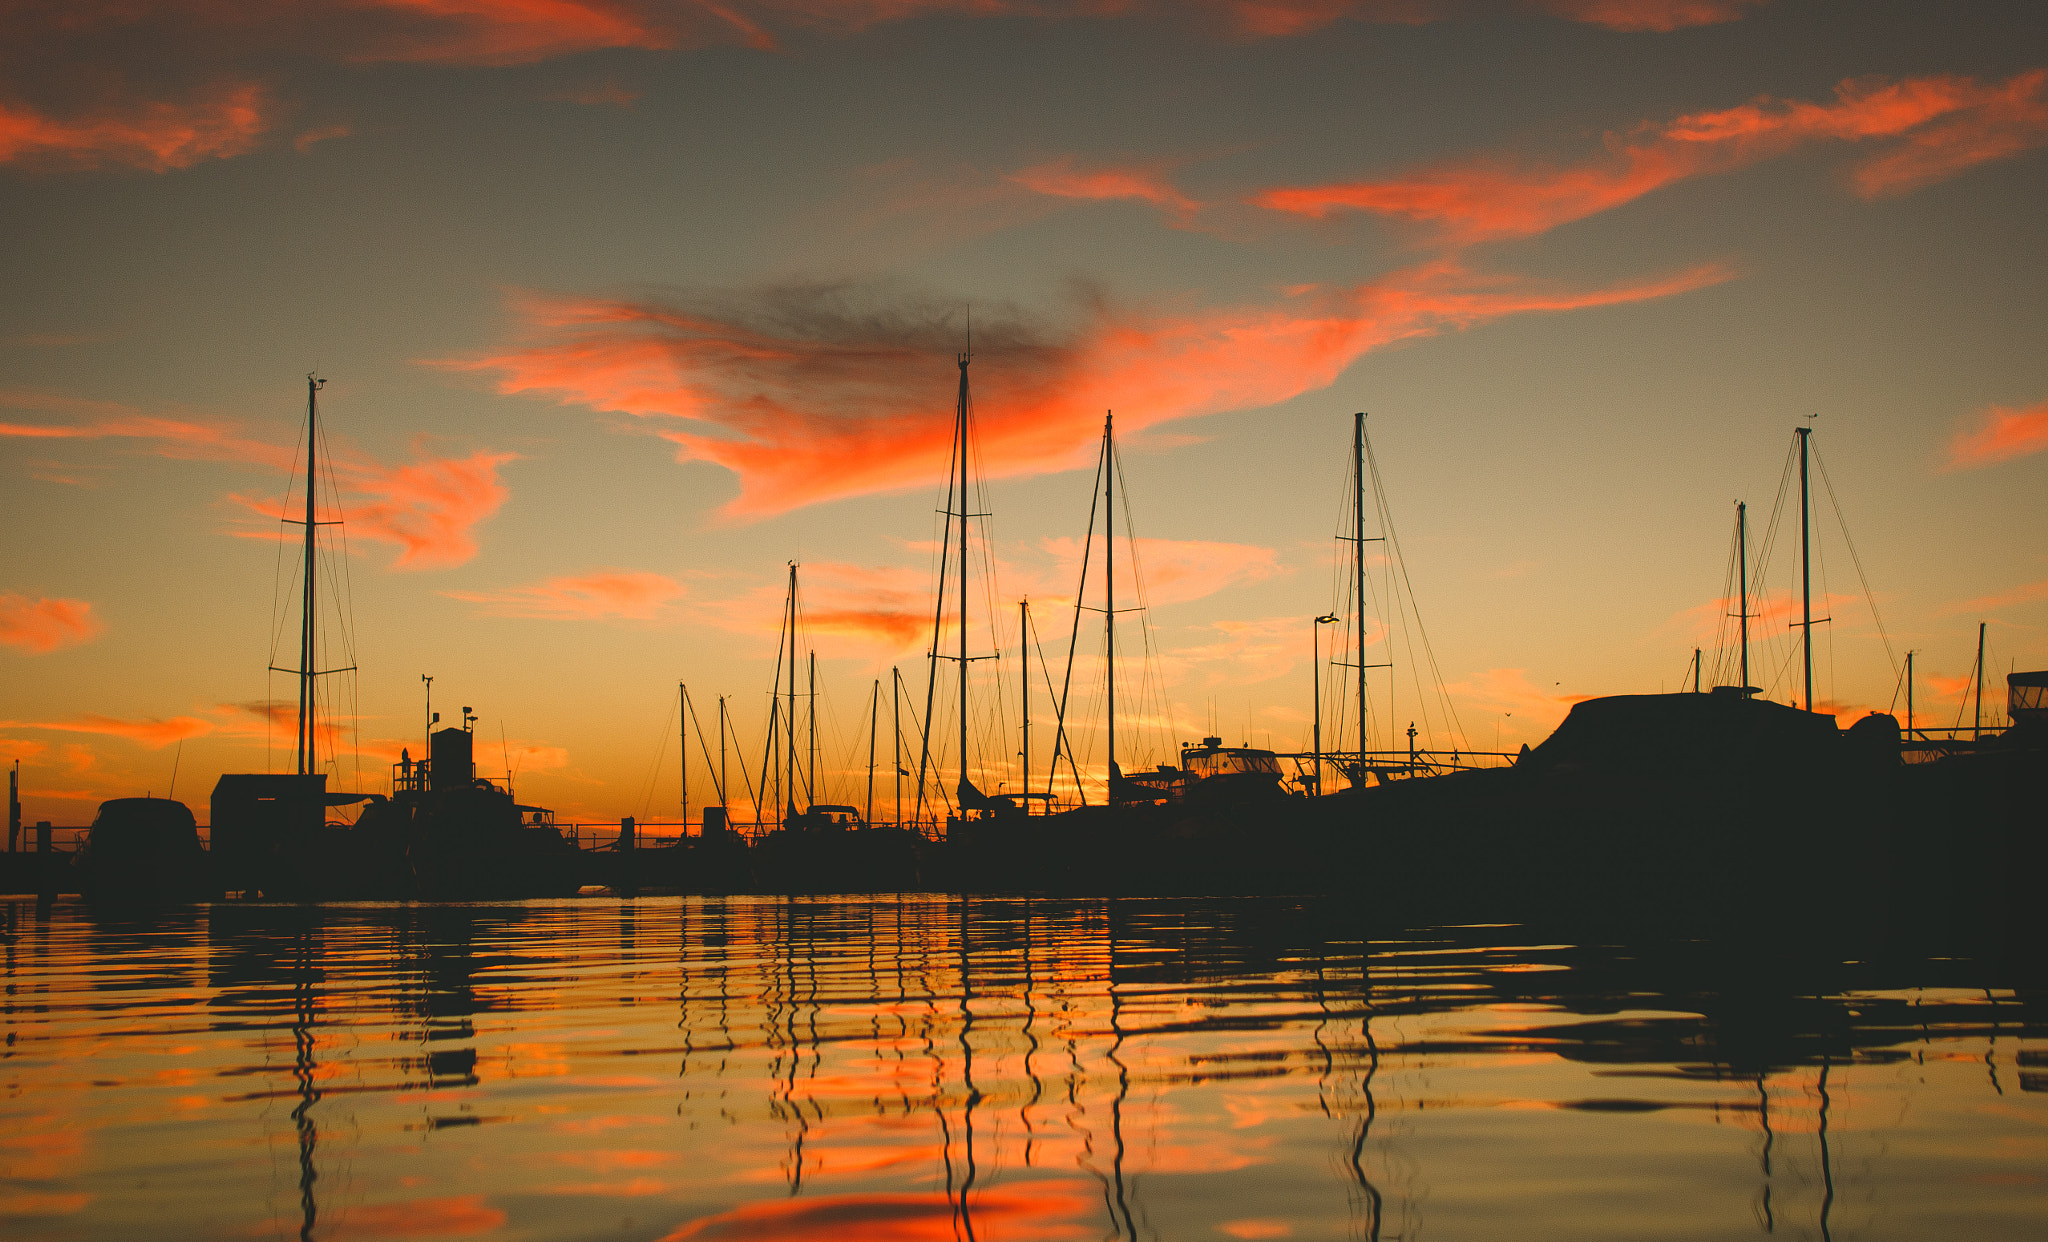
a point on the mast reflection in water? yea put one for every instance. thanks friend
(942, 1069)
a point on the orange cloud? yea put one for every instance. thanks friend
(633, 595)
(305, 142)
(809, 396)
(2032, 592)
(1173, 571)
(2001, 434)
(1770, 612)
(498, 32)
(155, 734)
(1471, 201)
(40, 626)
(155, 137)
(1032, 1209)
(1509, 692)
(2011, 120)
(1661, 16)
(1061, 179)
(430, 509)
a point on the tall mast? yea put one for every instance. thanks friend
(896, 736)
(811, 727)
(960, 436)
(1805, 569)
(1358, 583)
(683, 746)
(1109, 579)
(1742, 576)
(1024, 687)
(307, 671)
(789, 731)
(874, 723)
(723, 803)
(1977, 719)
(1909, 696)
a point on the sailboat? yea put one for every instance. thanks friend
(443, 832)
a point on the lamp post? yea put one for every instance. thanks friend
(1315, 669)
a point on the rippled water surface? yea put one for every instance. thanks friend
(939, 1069)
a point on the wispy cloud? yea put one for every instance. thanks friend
(817, 393)
(1660, 16)
(2032, 592)
(1062, 178)
(312, 137)
(1475, 200)
(612, 594)
(429, 508)
(155, 734)
(40, 626)
(155, 136)
(1999, 434)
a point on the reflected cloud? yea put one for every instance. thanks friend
(1038, 1210)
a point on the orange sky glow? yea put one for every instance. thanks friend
(626, 305)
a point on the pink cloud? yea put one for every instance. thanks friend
(2000, 434)
(626, 594)
(1468, 201)
(40, 626)
(808, 398)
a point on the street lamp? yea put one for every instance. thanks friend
(1315, 668)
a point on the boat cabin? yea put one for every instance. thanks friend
(1212, 758)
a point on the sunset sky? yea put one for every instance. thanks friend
(625, 304)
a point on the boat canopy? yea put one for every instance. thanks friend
(1229, 761)
(2027, 696)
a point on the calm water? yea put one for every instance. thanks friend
(928, 1069)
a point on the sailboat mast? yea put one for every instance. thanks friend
(1909, 696)
(1109, 580)
(683, 746)
(1977, 719)
(960, 437)
(874, 725)
(1742, 576)
(1358, 579)
(811, 727)
(1024, 688)
(1805, 569)
(307, 672)
(789, 731)
(896, 736)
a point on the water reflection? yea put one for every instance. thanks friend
(982, 1070)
